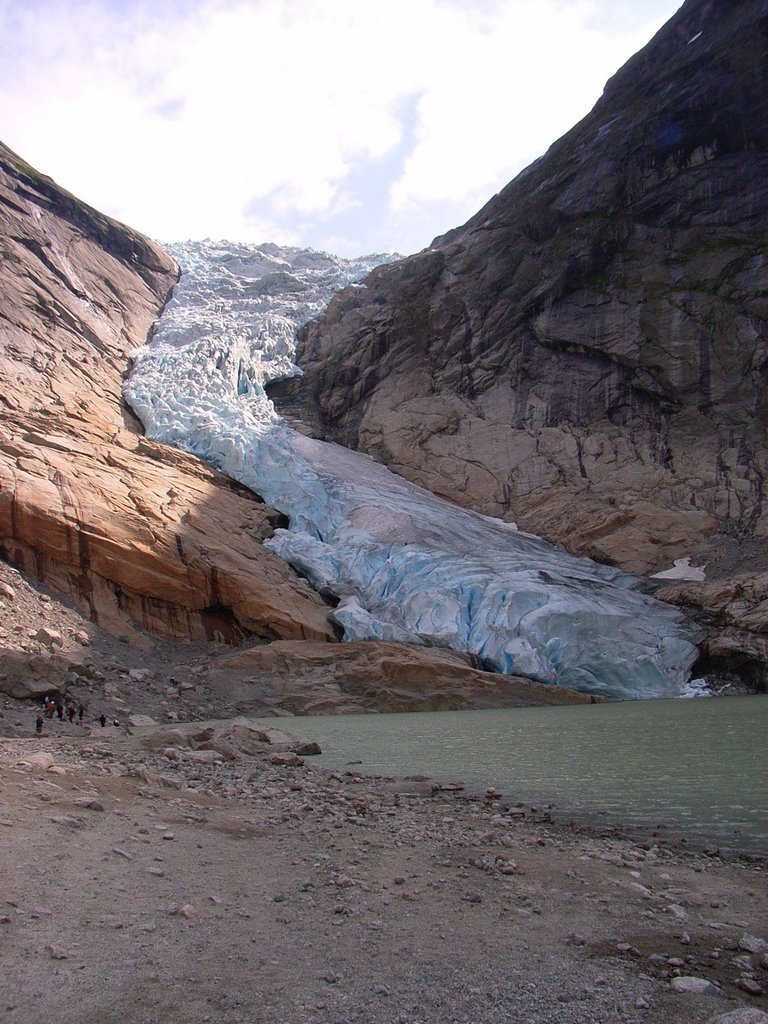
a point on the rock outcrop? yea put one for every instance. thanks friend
(139, 534)
(588, 355)
(736, 613)
(313, 678)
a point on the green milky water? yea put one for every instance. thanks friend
(696, 769)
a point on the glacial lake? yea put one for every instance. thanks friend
(686, 769)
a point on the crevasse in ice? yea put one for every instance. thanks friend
(405, 565)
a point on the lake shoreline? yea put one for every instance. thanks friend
(262, 888)
(691, 771)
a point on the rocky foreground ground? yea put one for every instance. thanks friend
(187, 885)
(163, 871)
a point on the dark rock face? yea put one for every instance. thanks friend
(588, 355)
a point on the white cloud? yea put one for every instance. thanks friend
(374, 126)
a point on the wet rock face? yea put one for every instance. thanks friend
(588, 355)
(140, 535)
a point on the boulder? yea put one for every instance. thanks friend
(26, 676)
(736, 613)
(49, 637)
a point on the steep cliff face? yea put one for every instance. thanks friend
(588, 355)
(139, 534)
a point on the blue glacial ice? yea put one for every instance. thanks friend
(405, 565)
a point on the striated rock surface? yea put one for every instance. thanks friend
(736, 611)
(313, 678)
(139, 534)
(588, 355)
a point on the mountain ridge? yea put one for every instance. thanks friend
(588, 355)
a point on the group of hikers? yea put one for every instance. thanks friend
(64, 709)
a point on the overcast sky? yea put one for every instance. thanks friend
(353, 126)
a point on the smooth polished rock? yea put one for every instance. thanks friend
(140, 535)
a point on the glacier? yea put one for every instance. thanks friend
(403, 564)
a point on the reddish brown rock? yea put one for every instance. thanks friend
(137, 533)
(321, 678)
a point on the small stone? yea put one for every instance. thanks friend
(677, 911)
(67, 821)
(7, 592)
(41, 760)
(287, 760)
(89, 802)
(49, 637)
(122, 853)
(753, 944)
(56, 953)
(308, 749)
(750, 986)
(693, 986)
(746, 1015)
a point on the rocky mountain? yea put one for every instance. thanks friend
(140, 534)
(396, 562)
(588, 355)
(153, 546)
